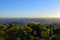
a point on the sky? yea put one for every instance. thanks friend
(29, 8)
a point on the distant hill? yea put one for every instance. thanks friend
(23, 21)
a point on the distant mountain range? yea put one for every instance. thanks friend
(23, 21)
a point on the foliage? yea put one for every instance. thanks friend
(31, 31)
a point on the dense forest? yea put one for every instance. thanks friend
(30, 31)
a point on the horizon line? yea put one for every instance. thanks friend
(29, 17)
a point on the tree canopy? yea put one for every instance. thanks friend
(31, 31)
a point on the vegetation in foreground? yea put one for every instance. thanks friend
(30, 31)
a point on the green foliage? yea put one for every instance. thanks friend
(31, 31)
(3, 27)
(36, 38)
(28, 29)
(31, 37)
(18, 38)
(2, 38)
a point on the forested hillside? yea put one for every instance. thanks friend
(30, 31)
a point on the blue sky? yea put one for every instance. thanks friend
(29, 8)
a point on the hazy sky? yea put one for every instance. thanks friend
(29, 8)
